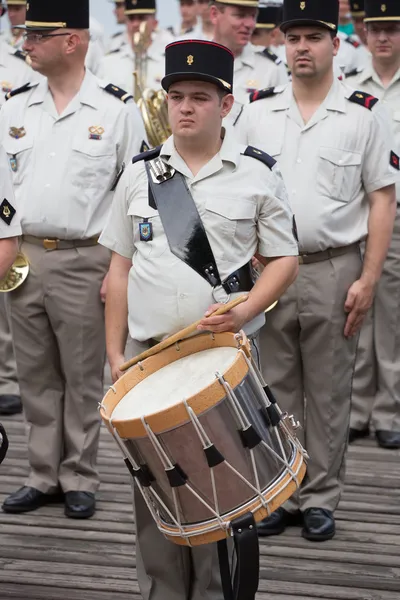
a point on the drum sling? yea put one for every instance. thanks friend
(187, 237)
(3, 443)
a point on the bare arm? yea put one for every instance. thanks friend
(117, 312)
(277, 276)
(8, 252)
(380, 229)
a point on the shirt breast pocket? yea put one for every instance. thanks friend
(148, 233)
(94, 163)
(230, 220)
(339, 173)
(19, 154)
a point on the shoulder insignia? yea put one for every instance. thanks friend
(171, 30)
(353, 73)
(20, 54)
(363, 99)
(353, 42)
(147, 155)
(115, 51)
(272, 56)
(19, 90)
(394, 160)
(260, 155)
(118, 92)
(115, 35)
(260, 94)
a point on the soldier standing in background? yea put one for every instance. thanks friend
(376, 387)
(267, 32)
(335, 150)
(77, 132)
(120, 38)
(234, 22)
(16, 10)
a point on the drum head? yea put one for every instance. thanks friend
(174, 383)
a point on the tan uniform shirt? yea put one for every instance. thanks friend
(327, 164)
(254, 71)
(369, 81)
(243, 206)
(64, 166)
(9, 221)
(14, 71)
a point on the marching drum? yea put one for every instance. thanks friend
(204, 440)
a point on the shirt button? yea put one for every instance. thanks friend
(299, 160)
(52, 154)
(182, 296)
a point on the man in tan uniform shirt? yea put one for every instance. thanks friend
(376, 387)
(241, 199)
(334, 148)
(234, 22)
(67, 139)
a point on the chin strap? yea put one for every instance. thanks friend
(247, 573)
(3, 443)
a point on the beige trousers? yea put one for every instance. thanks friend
(304, 355)
(8, 367)
(376, 392)
(58, 328)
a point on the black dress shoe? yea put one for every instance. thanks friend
(10, 404)
(319, 524)
(388, 439)
(357, 434)
(27, 499)
(79, 505)
(277, 522)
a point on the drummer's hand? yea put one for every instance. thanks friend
(232, 321)
(115, 364)
(358, 302)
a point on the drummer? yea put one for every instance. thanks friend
(235, 199)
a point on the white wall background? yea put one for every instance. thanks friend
(102, 10)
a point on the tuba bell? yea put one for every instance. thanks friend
(152, 104)
(16, 274)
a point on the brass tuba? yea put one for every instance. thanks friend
(152, 104)
(16, 275)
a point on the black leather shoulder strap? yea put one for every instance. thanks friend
(260, 155)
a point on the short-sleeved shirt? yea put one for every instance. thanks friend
(65, 166)
(9, 215)
(244, 208)
(369, 81)
(351, 54)
(328, 165)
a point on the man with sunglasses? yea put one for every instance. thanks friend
(67, 139)
(376, 399)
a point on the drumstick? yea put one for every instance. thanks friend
(170, 341)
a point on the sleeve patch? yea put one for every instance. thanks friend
(7, 212)
(364, 99)
(260, 155)
(118, 92)
(394, 160)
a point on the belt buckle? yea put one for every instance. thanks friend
(301, 259)
(50, 244)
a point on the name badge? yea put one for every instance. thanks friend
(146, 231)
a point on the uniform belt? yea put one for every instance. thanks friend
(314, 257)
(56, 244)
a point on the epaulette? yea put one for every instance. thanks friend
(260, 94)
(148, 155)
(353, 42)
(118, 92)
(363, 99)
(113, 51)
(353, 72)
(272, 56)
(117, 34)
(21, 54)
(260, 155)
(20, 90)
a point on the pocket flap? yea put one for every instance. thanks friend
(13, 146)
(342, 158)
(232, 208)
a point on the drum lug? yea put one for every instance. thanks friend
(290, 423)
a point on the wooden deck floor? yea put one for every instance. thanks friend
(44, 556)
